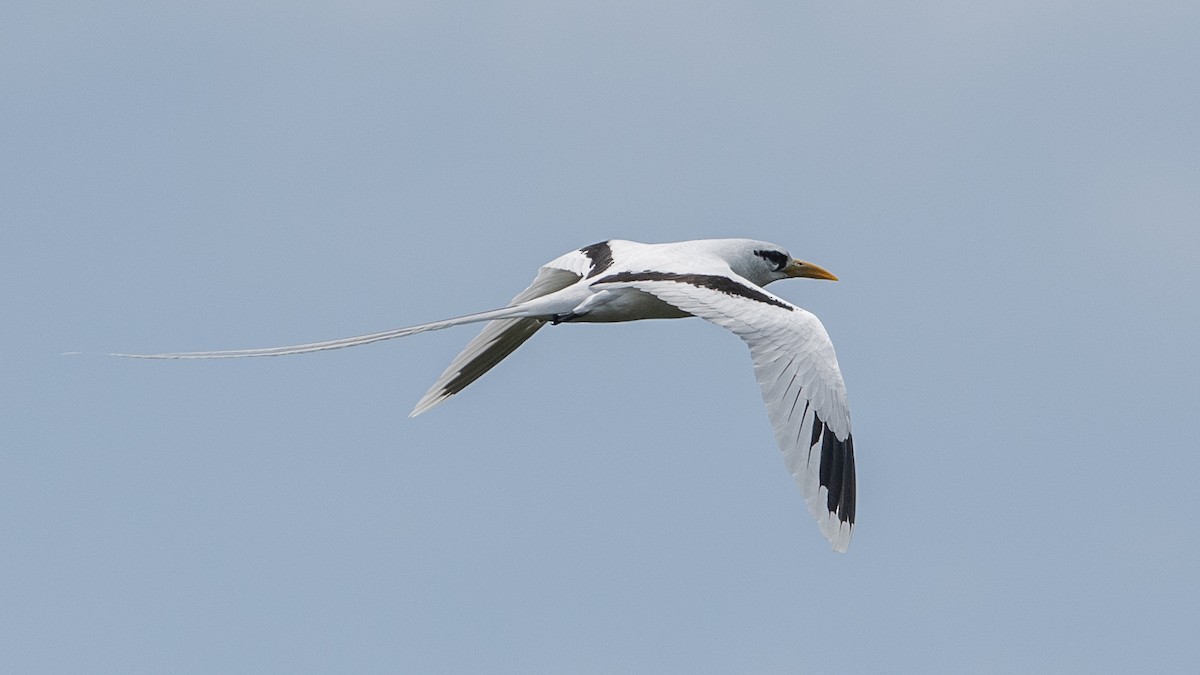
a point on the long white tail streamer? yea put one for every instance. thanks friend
(341, 343)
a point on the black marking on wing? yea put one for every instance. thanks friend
(801, 429)
(601, 256)
(714, 282)
(799, 390)
(837, 473)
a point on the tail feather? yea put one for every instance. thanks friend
(341, 343)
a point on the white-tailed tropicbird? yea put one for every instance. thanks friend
(719, 280)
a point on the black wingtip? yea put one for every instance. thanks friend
(837, 475)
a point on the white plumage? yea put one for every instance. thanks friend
(719, 280)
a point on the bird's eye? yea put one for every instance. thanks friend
(777, 258)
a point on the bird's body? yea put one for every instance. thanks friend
(720, 280)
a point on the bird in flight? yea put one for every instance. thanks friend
(719, 280)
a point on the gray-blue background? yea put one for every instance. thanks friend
(1010, 192)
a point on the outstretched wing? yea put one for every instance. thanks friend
(499, 338)
(798, 372)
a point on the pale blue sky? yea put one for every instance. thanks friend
(1010, 192)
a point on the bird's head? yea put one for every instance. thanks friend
(763, 263)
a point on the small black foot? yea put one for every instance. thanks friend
(565, 316)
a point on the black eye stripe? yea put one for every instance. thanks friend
(780, 260)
